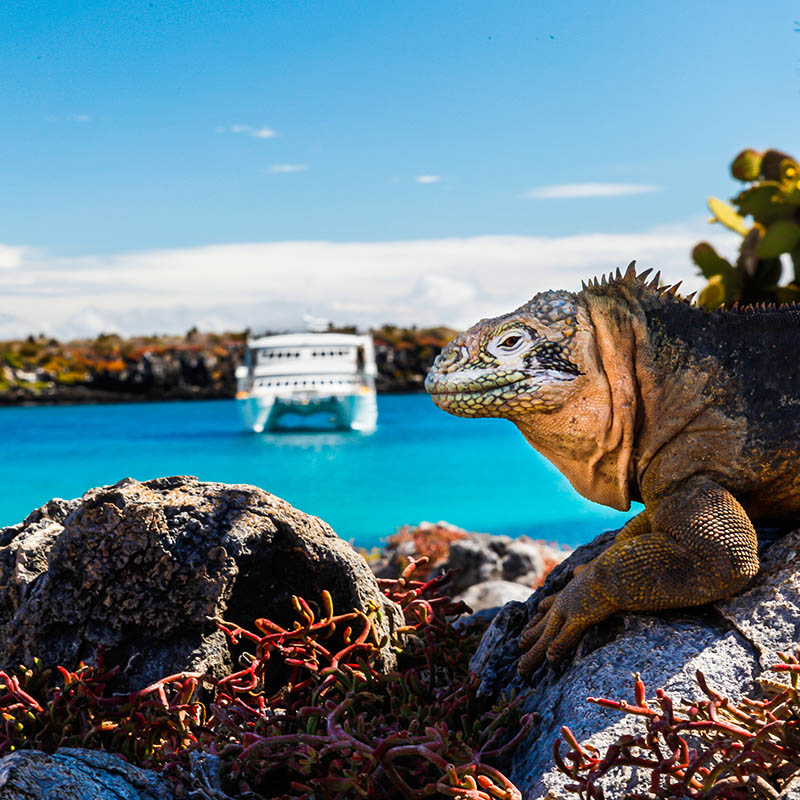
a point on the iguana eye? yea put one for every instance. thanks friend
(510, 342)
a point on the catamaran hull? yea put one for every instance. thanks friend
(348, 412)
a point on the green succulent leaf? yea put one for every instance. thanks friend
(772, 202)
(722, 289)
(712, 295)
(727, 215)
(764, 202)
(791, 194)
(747, 165)
(780, 237)
(790, 170)
(709, 261)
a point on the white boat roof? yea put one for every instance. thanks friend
(309, 339)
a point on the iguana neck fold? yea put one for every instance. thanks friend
(591, 440)
(615, 425)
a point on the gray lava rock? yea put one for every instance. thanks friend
(483, 557)
(146, 569)
(74, 774)
(476, 561)
(474, 557)
(492, 594)
(731, 642)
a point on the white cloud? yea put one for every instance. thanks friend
(272, 284)
(249, 130)
(428, 179)
(570, 190)
(11, 257)
(285, 168)
(264, 133)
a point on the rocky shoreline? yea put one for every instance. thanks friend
(112, 369)
(486, 570)
(156, 578)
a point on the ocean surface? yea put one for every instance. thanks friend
(421, 464)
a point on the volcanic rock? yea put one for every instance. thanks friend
(732, 642)
(146, 570)
(74, 774)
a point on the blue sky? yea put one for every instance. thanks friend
(139, 128)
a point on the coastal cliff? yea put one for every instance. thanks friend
(198, 366)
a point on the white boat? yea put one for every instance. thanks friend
(328, 375)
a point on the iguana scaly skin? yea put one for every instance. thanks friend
(634, 394)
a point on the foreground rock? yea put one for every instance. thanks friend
(732, 643)
(145, 570)
(73, 774)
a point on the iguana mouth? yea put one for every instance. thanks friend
(440, 387)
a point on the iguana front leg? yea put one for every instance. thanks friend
(688, 547)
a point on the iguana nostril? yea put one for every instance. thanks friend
(446, 360)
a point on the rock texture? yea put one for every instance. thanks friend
(145, 569)
(732, 642)
(493, 594)
(488, 570)
(73, 774)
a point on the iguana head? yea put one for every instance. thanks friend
(520, 364)
(562, 368)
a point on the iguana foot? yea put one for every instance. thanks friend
(560, 621)
(551, 636)
(694, 545)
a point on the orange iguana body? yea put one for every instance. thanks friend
(634, 394)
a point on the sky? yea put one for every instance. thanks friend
(232, 164)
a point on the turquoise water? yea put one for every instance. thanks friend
(421, 464)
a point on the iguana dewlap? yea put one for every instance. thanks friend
(634, 394)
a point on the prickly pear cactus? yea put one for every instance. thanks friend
(772, 201)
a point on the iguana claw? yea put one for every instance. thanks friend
(554, 631)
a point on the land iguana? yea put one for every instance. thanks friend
(635, 394)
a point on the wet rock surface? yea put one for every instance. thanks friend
(146, 569)
(732, 642)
